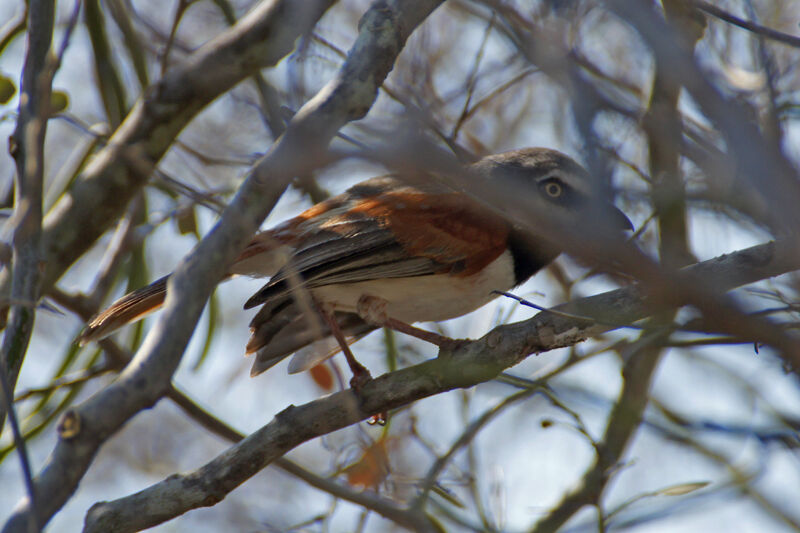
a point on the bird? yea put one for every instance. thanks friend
(391, 252)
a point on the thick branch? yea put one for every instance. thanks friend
(473, 363)
(116, 173)
(411, 519)
(383, 32)
(763, 168)
(27, 147)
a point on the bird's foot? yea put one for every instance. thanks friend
(361, 375)
(373, 311)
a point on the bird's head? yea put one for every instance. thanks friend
(552, 187)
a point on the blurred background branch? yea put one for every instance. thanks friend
(143, 132)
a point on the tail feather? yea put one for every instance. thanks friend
(280, 329)
(320, 351)
(131, 307)
(265, 254)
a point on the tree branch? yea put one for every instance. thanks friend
(111, 179)
(408, 518)
(763, 168)
(383, 32)
(26, 145)
(473, 363)
(769, 33)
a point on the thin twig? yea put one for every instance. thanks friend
(27, 147)
(769, 33)
(401, 516)
(466, 437)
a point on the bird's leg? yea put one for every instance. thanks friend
(373, 311)
(360, 373)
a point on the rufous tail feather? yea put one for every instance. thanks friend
(130, 308)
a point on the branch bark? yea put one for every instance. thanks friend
(663, 126)
(763, 169)
(27, 147)
(382, 34)
(260, 39)
(473, 363)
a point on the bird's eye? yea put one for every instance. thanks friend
(553, 188)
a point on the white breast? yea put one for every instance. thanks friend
(425, 298)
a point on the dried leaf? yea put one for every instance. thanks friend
(683, 488)
(371, 469)
(322, 376)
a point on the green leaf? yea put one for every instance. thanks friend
(213, 320)
(59, 101)
(7, 89)
(187, 221)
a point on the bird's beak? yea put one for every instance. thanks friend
(617, 219)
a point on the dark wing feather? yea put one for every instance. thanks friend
(310, 256)
(397, 232)
(280, 328)
(371, 253)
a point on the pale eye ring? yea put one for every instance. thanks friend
(553, 189)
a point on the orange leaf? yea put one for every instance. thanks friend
(322, 376)
(371, 469)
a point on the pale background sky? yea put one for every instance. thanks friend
(524, 468)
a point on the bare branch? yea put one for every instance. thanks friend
(763, 168)
(769, 33)
(383, 32)
(117, 172)
(27, 148)
(408, 518)
(472, 363)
